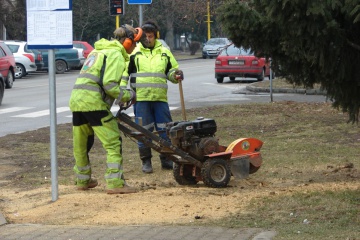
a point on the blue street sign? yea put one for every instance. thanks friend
(139, 1)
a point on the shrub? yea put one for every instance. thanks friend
(194, 46)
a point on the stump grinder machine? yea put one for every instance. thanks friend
(195, 151)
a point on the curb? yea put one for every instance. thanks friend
(308, 91)
(2, 219)
(183, 59)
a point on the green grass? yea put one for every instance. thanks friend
(311, 215)
(280, 83)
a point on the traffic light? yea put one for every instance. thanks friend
(116, 7)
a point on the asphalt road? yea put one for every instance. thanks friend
(26, 106)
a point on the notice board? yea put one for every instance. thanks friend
(49, 24)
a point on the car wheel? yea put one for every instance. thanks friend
(20, 71)
(10, 80)
(273, 75)
(232, 79)
(204, 57)
(2, 90)
(60, 66)
(261, 77)
(220, 79)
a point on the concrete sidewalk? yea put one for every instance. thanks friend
(66, 232)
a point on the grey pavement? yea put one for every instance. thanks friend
(66, 232)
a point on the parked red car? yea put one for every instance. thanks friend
(235, 62)
(7, 65)
(84, 45)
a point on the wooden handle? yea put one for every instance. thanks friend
(182, 101)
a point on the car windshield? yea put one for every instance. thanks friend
(235, 51)
(13, 48)
(78, 45)
(216, 41)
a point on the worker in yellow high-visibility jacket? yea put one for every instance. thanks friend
(94, 92)
(151, 66)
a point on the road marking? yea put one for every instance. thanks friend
(114, 109)
(13, 109)
(228, 86)
(42, 113)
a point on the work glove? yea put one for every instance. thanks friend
(179, 75)
(132, 100)
(132, 95)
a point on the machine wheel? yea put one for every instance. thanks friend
(216, 173)
(186, 178)
(60, 66)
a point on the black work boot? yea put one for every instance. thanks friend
(145, 156)
(165, 162)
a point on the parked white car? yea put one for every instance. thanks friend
(24, 57)
(164, 43)
(81, 56)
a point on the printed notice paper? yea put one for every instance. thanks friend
(49, 24)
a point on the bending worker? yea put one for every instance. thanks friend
(150, 66)
(95, 91)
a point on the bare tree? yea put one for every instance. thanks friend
(85, 13)
(13, 17)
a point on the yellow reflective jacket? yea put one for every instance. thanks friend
(98, 83)
(149, 70)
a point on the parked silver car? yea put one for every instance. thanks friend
(164, 43)
(24, 57)
(213, 47)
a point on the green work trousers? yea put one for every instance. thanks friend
(105, 127)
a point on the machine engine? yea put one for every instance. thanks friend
(195, 137)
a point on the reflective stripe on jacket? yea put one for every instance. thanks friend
(149, 70)
(98, 84)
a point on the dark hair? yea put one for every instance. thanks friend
(150, 26)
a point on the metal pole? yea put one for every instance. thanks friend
(271, 87)
(4, 32)
(53, 126)
(140, 16)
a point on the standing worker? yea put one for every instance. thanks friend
(95, 90)
(150, 66)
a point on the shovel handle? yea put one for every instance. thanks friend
(182, 101)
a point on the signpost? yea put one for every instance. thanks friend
(140, 7)
(139, 1)
(116, 7)
(49, 26)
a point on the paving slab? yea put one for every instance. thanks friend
(65, 232)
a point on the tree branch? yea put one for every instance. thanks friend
(357, 47)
